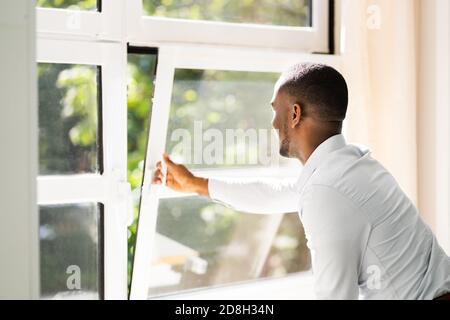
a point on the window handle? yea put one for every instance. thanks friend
(120, 190)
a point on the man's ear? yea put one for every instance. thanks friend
(296, 115)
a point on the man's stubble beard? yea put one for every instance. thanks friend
(284, 147)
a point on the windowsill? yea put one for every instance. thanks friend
(294, 287)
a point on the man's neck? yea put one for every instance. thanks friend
(312, 139)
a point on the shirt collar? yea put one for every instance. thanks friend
(318, 156)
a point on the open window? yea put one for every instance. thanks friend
(259, 23)
(185, 72)
(185, 242)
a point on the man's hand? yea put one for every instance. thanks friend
(179, 178)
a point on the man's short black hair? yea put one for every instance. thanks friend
(319, 89)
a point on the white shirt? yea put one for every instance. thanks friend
(366, 237)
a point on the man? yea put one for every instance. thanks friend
(366, 237)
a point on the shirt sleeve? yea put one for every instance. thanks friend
(259, 197)
(337, 233)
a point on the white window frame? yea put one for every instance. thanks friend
(107, 25)
(309, 39)
(195, 57)
(101, 38)
(109, 188)
(297, 286)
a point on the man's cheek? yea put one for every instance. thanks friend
(277, 133)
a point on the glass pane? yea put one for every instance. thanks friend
(222, 119)
(141, 74)
(70, 251)
(269, 12)
(202, 244)
(68, 4)
(68, 119)
(289, 252)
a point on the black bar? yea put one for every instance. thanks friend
(142, 50)
(331, 21)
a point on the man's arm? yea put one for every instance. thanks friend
(337, 233)
(258, 196)
(254, 197)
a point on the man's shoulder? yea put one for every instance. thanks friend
(351, 172)
(346, 163)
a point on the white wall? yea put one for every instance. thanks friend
(18, 145)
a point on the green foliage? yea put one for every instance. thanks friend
(67, 118)
(276, 12)
(70, 4)
(141, 71)
(80, 86)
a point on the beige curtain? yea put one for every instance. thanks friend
(378, 45)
